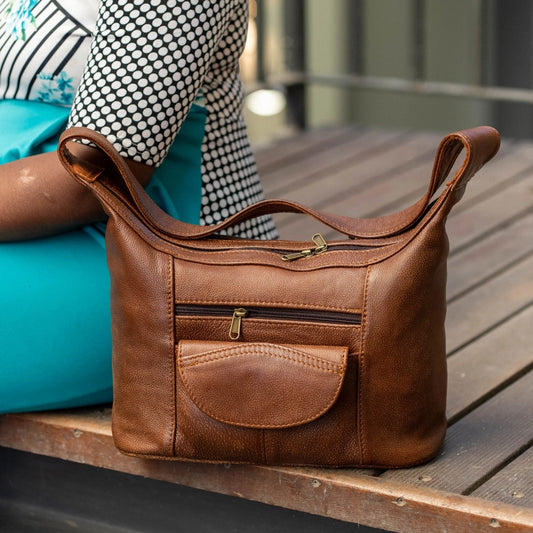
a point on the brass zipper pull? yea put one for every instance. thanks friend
(235, 328)
(297, 255)
(321, 246)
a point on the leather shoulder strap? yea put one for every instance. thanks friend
(480, 145)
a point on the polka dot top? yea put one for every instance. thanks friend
(148, 63)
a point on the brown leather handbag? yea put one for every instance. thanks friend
(279, 352)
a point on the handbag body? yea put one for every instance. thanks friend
(279, 352)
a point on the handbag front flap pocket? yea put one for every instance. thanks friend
(261, 385)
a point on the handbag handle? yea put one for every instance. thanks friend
(480, 145)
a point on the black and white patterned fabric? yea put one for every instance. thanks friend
(43, 48)
(148, 63)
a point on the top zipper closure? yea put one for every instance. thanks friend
(320, 247)
(288, 255)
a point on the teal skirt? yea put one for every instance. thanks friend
(55, 333)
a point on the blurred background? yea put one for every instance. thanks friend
(419, 64)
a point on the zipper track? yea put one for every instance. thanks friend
(331, 248)
(304, 315)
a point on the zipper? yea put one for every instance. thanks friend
(321, 246)
(237, 314)
(236, 322)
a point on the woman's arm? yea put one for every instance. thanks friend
(39, 198)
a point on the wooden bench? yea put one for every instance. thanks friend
(483, 478)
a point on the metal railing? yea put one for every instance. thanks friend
(500, 73)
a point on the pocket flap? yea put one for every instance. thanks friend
(261, 385)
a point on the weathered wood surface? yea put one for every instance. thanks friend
(513, 484)
(483, 479)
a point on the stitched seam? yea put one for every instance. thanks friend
(227, 353)
(296, 305)
(221, 246)
(113, 203)
(451, 153)
(263, 446)
(170, 297)
(260, 252)
(262, 348)
(274, 356)
(179, 354)
(362, 435)
(119, 205)
(296, 267)
(475, 165)
(264, 426)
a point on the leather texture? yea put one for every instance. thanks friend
(250, 384)
(225, 352)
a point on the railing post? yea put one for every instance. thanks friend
(513, 68)
(419, 40)
(295, 60)
(260, 33)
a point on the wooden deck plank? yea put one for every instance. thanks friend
(325, 162)
(486, 306)
(290, 149)
(340, 191)
(367, 202)
(395, 185)
(483, 367)
(486, 216)
(513, 484)
(511, 164)
(353, 498)
(484, 259)
(478, 443)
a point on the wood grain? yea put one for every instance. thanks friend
(486, 306)
(363, 166)
(513, 484)
(487, 215)
(355, 497)
(478, 443)
(323, 162)
(293, 148)
(478, 263)
(483, 367)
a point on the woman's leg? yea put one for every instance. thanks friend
(54, 295)
(54, 323)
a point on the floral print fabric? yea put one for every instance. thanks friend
(20, 19)
(43, 48)
(55, 89)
